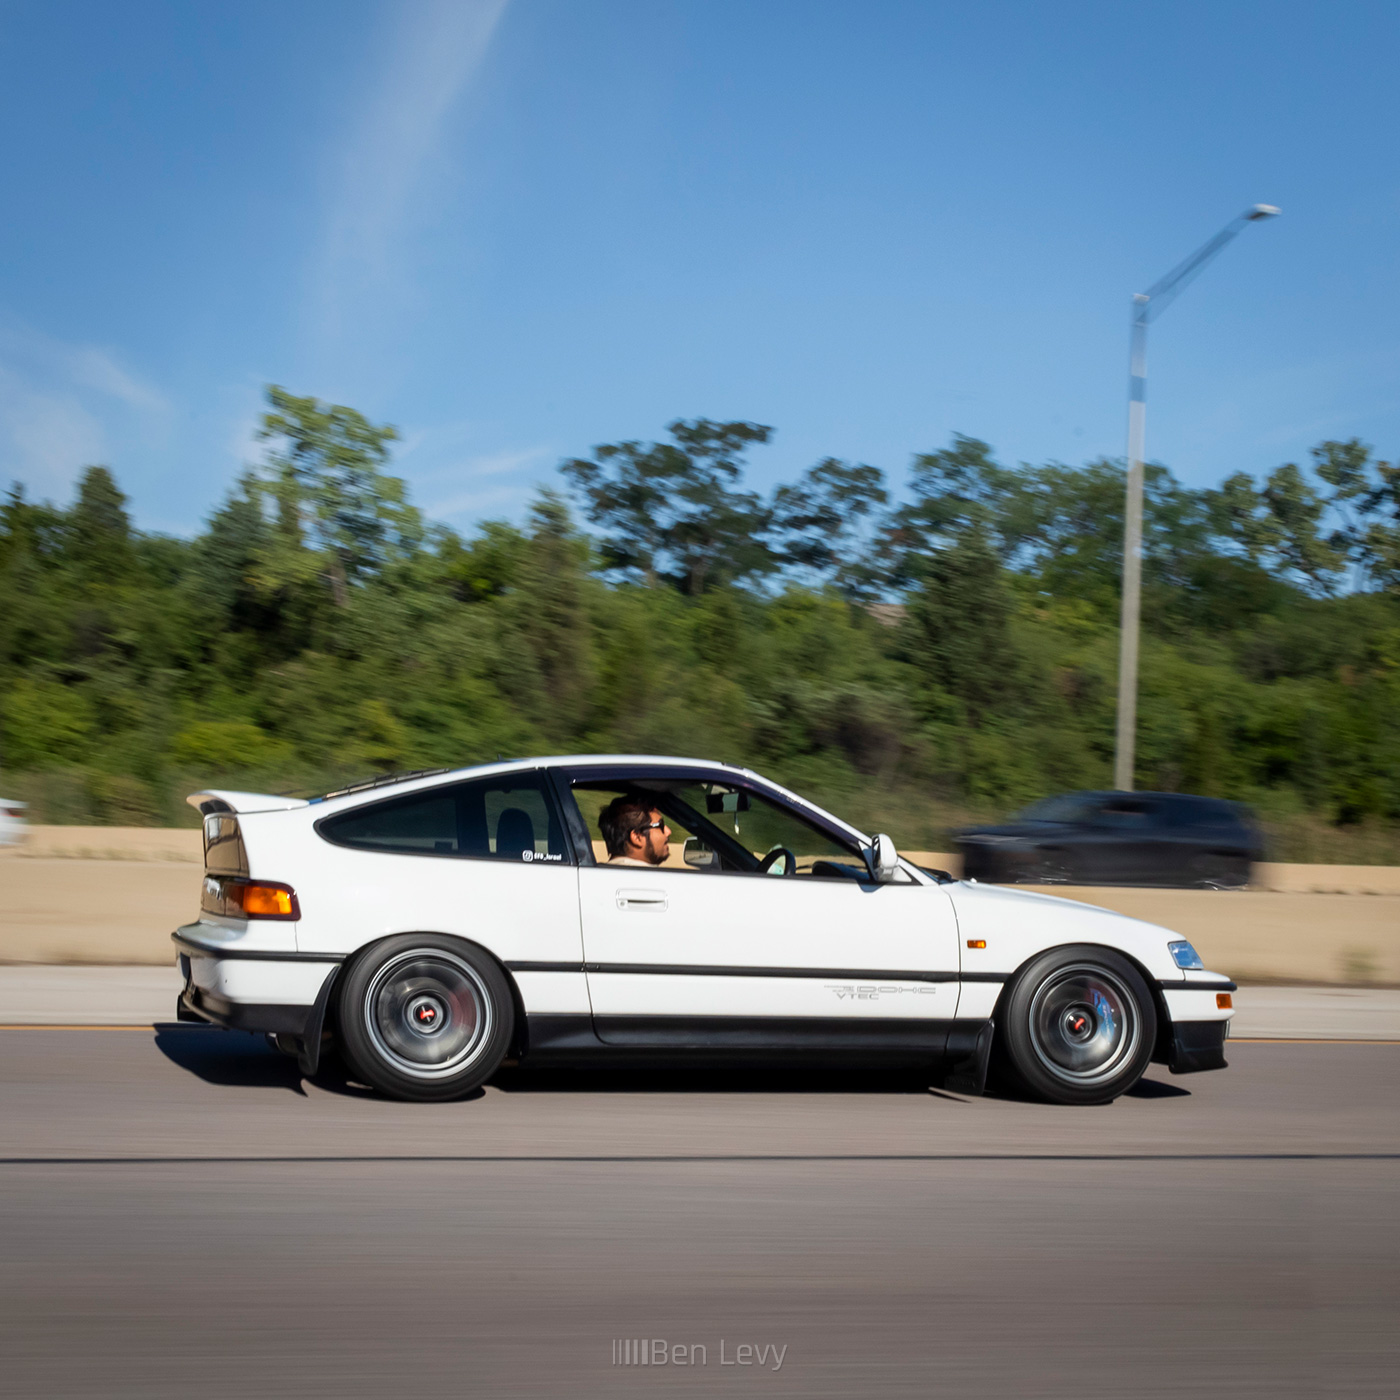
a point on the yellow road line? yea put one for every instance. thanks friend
(50, 1026)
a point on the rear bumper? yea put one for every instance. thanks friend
(277, 992)
(195, 1004)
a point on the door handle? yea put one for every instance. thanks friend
(645, 901)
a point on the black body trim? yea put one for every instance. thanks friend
(969, 1052)
(566, 1034)
(1198, 1045)
(268, 1018)
(840, 974)
(575, 829)
(216, 950)
(309, 1061)
(774, 1033)
(183, 1013)
(718, 970)
(962, 1047)
(1189, 986)
(984, 976)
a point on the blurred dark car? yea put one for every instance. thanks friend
(1118, 838)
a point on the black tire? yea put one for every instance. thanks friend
(425, 1017)
(1078, 1026)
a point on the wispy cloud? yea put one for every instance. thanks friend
(64, 406)
(473, 486)
(377, 187)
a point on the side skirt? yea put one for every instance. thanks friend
(959, 1049)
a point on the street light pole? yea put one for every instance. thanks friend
(1146, 307)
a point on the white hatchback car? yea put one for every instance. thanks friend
(438, 923)
(13, 828)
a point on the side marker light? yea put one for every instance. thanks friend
(976, 942)
(266, 901)
(1224, 1001)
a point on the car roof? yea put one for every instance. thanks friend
(414, 782)
(229, 800)
(432, 777)
(586, 760)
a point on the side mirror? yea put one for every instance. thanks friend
(884, 858)
(696, 853)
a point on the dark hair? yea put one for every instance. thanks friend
(621, 817)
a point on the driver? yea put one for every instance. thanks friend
(634, 832)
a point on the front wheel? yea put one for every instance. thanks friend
(1079, 1025)
(425, 1017)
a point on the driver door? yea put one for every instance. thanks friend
(714, 954)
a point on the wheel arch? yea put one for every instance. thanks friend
(518, 1038)
(1161, 1049)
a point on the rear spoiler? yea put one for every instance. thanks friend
(222, 800)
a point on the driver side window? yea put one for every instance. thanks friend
(722, 829)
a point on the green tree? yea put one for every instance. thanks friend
(99, 527)
(830, 524)
(958, 632)
(325, 476)
(675, 511)
(953, 491)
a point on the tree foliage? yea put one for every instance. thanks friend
(955, 638)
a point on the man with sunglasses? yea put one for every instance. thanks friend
(634, 832)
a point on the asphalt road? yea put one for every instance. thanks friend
(180, 1214)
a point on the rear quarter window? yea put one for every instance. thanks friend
(510, 818)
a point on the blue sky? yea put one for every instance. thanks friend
(517, 228)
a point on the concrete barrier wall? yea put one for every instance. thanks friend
(1279, 878)
(112, 895)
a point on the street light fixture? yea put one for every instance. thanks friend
(1146, 307)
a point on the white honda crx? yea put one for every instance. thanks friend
(438, 923)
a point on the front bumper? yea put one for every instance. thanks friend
(1198, 1045)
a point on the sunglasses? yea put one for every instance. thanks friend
(650, 826)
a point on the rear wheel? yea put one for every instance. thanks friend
(1079, 1026)
(426, 1017)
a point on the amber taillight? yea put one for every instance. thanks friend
(236, 898)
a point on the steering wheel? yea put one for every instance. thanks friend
(767, 866)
